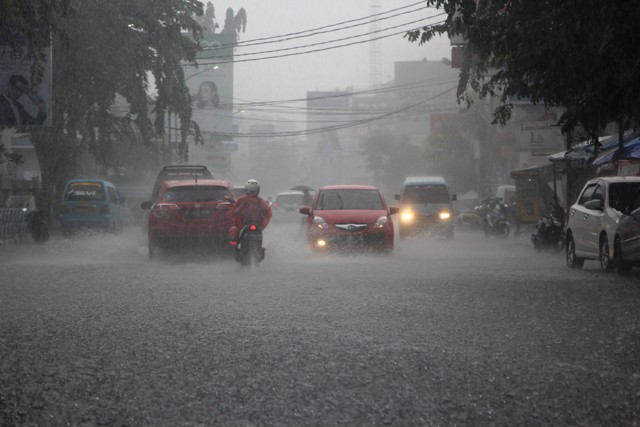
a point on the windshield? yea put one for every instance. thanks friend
(349, 199)
(197, 193)
(77, 191)
(424, 194)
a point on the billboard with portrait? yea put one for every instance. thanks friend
(211, 87)
(21, 102)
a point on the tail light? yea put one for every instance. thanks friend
(104, 209)
(165, 210)
(253, 227)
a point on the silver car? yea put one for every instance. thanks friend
(626, 243)
(594, 219)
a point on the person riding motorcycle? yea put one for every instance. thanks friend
(249, 207)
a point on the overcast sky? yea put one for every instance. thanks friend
(334, 67)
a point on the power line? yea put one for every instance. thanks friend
(340, 126)
(251, 42)
(436, 81)
(328, 41)
(301, 53)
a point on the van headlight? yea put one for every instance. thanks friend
(407, 215)
(444, 215)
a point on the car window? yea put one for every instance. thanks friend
(635, 202)
(422, 194)
(622, 194)
(586, 194)
(289, 199)
(196, 193)
(349, 199)
(598, 193)
(77, 191)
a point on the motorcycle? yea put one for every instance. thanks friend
(249, 250)
(550, 234)
(494, 213)
(37, 225)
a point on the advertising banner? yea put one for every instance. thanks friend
(22, 103)
(211, 87)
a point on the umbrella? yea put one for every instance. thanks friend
(302, 187)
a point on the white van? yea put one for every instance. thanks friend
(425, 205)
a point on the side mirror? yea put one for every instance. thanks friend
(595, 205)
(397, 197)
(394, 210)
(454, 197)
(146, 205)
(305, 210)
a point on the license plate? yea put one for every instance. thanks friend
(84, 209)
(197, 213)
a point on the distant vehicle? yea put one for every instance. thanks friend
(425, 206)
(91, 204)
(593, 219)
(288, 201)
(189, 213)
(351, 218)
(238, 190)
(626, 243)
(178, 173)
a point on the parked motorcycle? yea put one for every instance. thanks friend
(37, 225)
(249, 250)
(550, 234)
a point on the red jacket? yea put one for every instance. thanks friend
(250, 208)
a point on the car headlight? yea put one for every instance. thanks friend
(381, 223)
(444, 215)
(319, 222)
(407, 215)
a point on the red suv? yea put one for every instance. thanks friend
(188, 213)
(349, 217)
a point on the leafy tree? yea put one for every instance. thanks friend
(234, 24)
(450, 153)
(391, 159)
(104, 48)
(578, 54)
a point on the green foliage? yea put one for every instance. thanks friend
(391, 159)
(450, 153)
(577, 54)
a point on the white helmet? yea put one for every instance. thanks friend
(252, 187)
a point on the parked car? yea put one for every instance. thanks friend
(626, 243)
(91, 204)
(189, 213)
(593, 220)
(349, 217)
(425, 206)
(178, 173)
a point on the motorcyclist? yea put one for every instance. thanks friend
(249, 208)
(495, 210)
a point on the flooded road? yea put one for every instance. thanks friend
(469, 331)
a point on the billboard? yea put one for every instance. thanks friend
(211, 87)
(21, 103)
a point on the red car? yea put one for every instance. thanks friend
(349, 217)
(190, 213)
